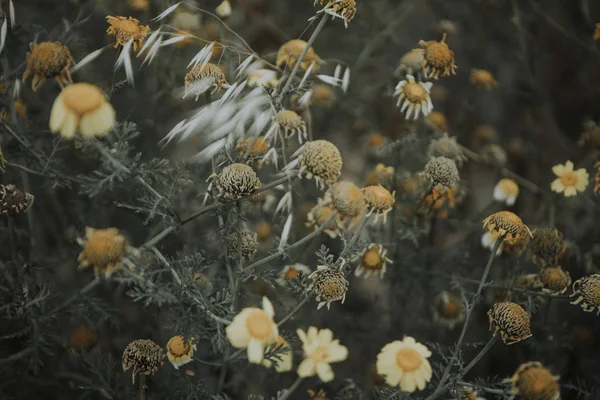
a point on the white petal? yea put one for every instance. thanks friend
(256, 351)
(268, 307)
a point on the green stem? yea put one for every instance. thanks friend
(292, 388)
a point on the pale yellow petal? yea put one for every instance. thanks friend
(325, 372)
(557, 186)
(558, 170)
(256, 351)
(407, 383)
(306, 368)
(325, 336)
(268, 307)
(69, 125)
(337, 353)
(98, 122)
(570, 191)
(57, 115)
(569, 166)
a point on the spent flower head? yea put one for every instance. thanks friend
(290, 52)
(321, 160)
(373, 260)
(532, 381)
(414, 96)
(48, 60)
(236, 180)
(329, 285)
(511, 320)
(125, 29)
(13, 201)
(180, 351)
(438, 58)
(441, 171)
(144, 356)
(586, 293)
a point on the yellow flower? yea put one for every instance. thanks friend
(126, 29)
(254, 329)
(404, 362)
(320, 350)
(569, 181)
(506, 191)
(48, 60)
(179, 351)
(103, 249)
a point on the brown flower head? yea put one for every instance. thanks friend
(555, 280)
(291, 123)
(236, 181)
(203, 77)
(144, 356)
(322, 96)
(322, 160)
(258, 150)
(345, 8)
(586, 292)
(379, 200)
(180, 351)
(439, 202)
(125, 29)
(483, 78)
(532, 381)
(103, 249)
(511, 320)
(509, 225)
(448, 309)
(446, 147)
(249, 244)
(290, 52)
(441, 171)
(48, 60)
(82, 339)
(319, 214)
(13, 201)
(373, 261)
(439, 59)
(329, 285)
(411, 63)
(546, 246)
(346, 198)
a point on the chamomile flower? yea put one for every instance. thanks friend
(569, 181)
(414, 96)
(506, 191)
(404, 362)
(320, 350)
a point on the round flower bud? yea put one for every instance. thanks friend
(13, 201)
(48, 60)
(346, 198)
(442, 171)
(329, 285)
(322, 160)
(586, 292)
(554, 279)
(290, 52)
(532, 381)
(237, 180)
(446, 147)
(511, 320)
(249, 242)
(144, 356)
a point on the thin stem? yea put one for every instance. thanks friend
(353, 240)
(311, 40)
(463, 332)
(292, 388)
(142, 386)
(294, 311)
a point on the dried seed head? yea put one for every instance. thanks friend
(414, 96)
(532, 381)
(329, 285)
(144, 356)
(586, 292)
(494, 154)
(290, 52)
(236, 181)
(379, 200)
(447, 147)
(508, 224)
(319, 214)
(249, 242)
(13, 201)
(546, 246)
(291, 123)
(511, 320)
(48, 60)
(442, 171)
(439, 59)
(203, 77)
(439, 202)
(555, 280)
(345, 8)
(321, 160)
(448, 309)
(483, 78)
(373, 261)
(103, 249)
(411, 63)
(346, 198)
(126, 29)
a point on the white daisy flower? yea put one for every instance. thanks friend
(404, 362)
(320, 350)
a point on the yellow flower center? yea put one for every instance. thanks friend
(178, 347)
(415, 92)
(371, 259)
(259, 325)
(319, 355)
(569, 178)
(408, 359)
(291, 273)
(451, 309)
(82, 98)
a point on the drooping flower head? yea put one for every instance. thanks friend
(48, 60)
(322, 160)
(439, 59)
(511, 320)
(379, 200)
(346, 198)
(204, 77)
(532, 381)
(509, 225)
(555, 280)
(14, 201)
(546, 246)
(320, 350)
(404, 362)
(329, 285)
(144, 356)
(346, 9)
(569, 181)
(291, 123)
(290, 52)
(483, 78)
(586, 292)
(180, 351)
(373, 260)
(104, 250)
(319, 214)
(414, 96)
(236, 180)
(125, 29)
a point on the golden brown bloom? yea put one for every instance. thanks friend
(236, 181)
(373, 261)
(586, 292)
(83, 108)
(82, 339)
(346, 198)
(103, 249)
(414, 96)
(292, 271)
(322, 160)
(439, 59)
(258, 150)
(483, 78)
(379, 200)
(546, 246)
(439, 202)
(13, 201)
(291, 123)
(509, 225)
(345, 8)
(555, 280)
(203, 77)
(139, 5)
(329, 285)
(319, 214)
(511, 320)
(532, 381)
(249, 244)
(144, 356)
(126, 29)
(290, 52)
(322, 96)
(48, 60)
(180, 351)
(448, 309)
(441, 172)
